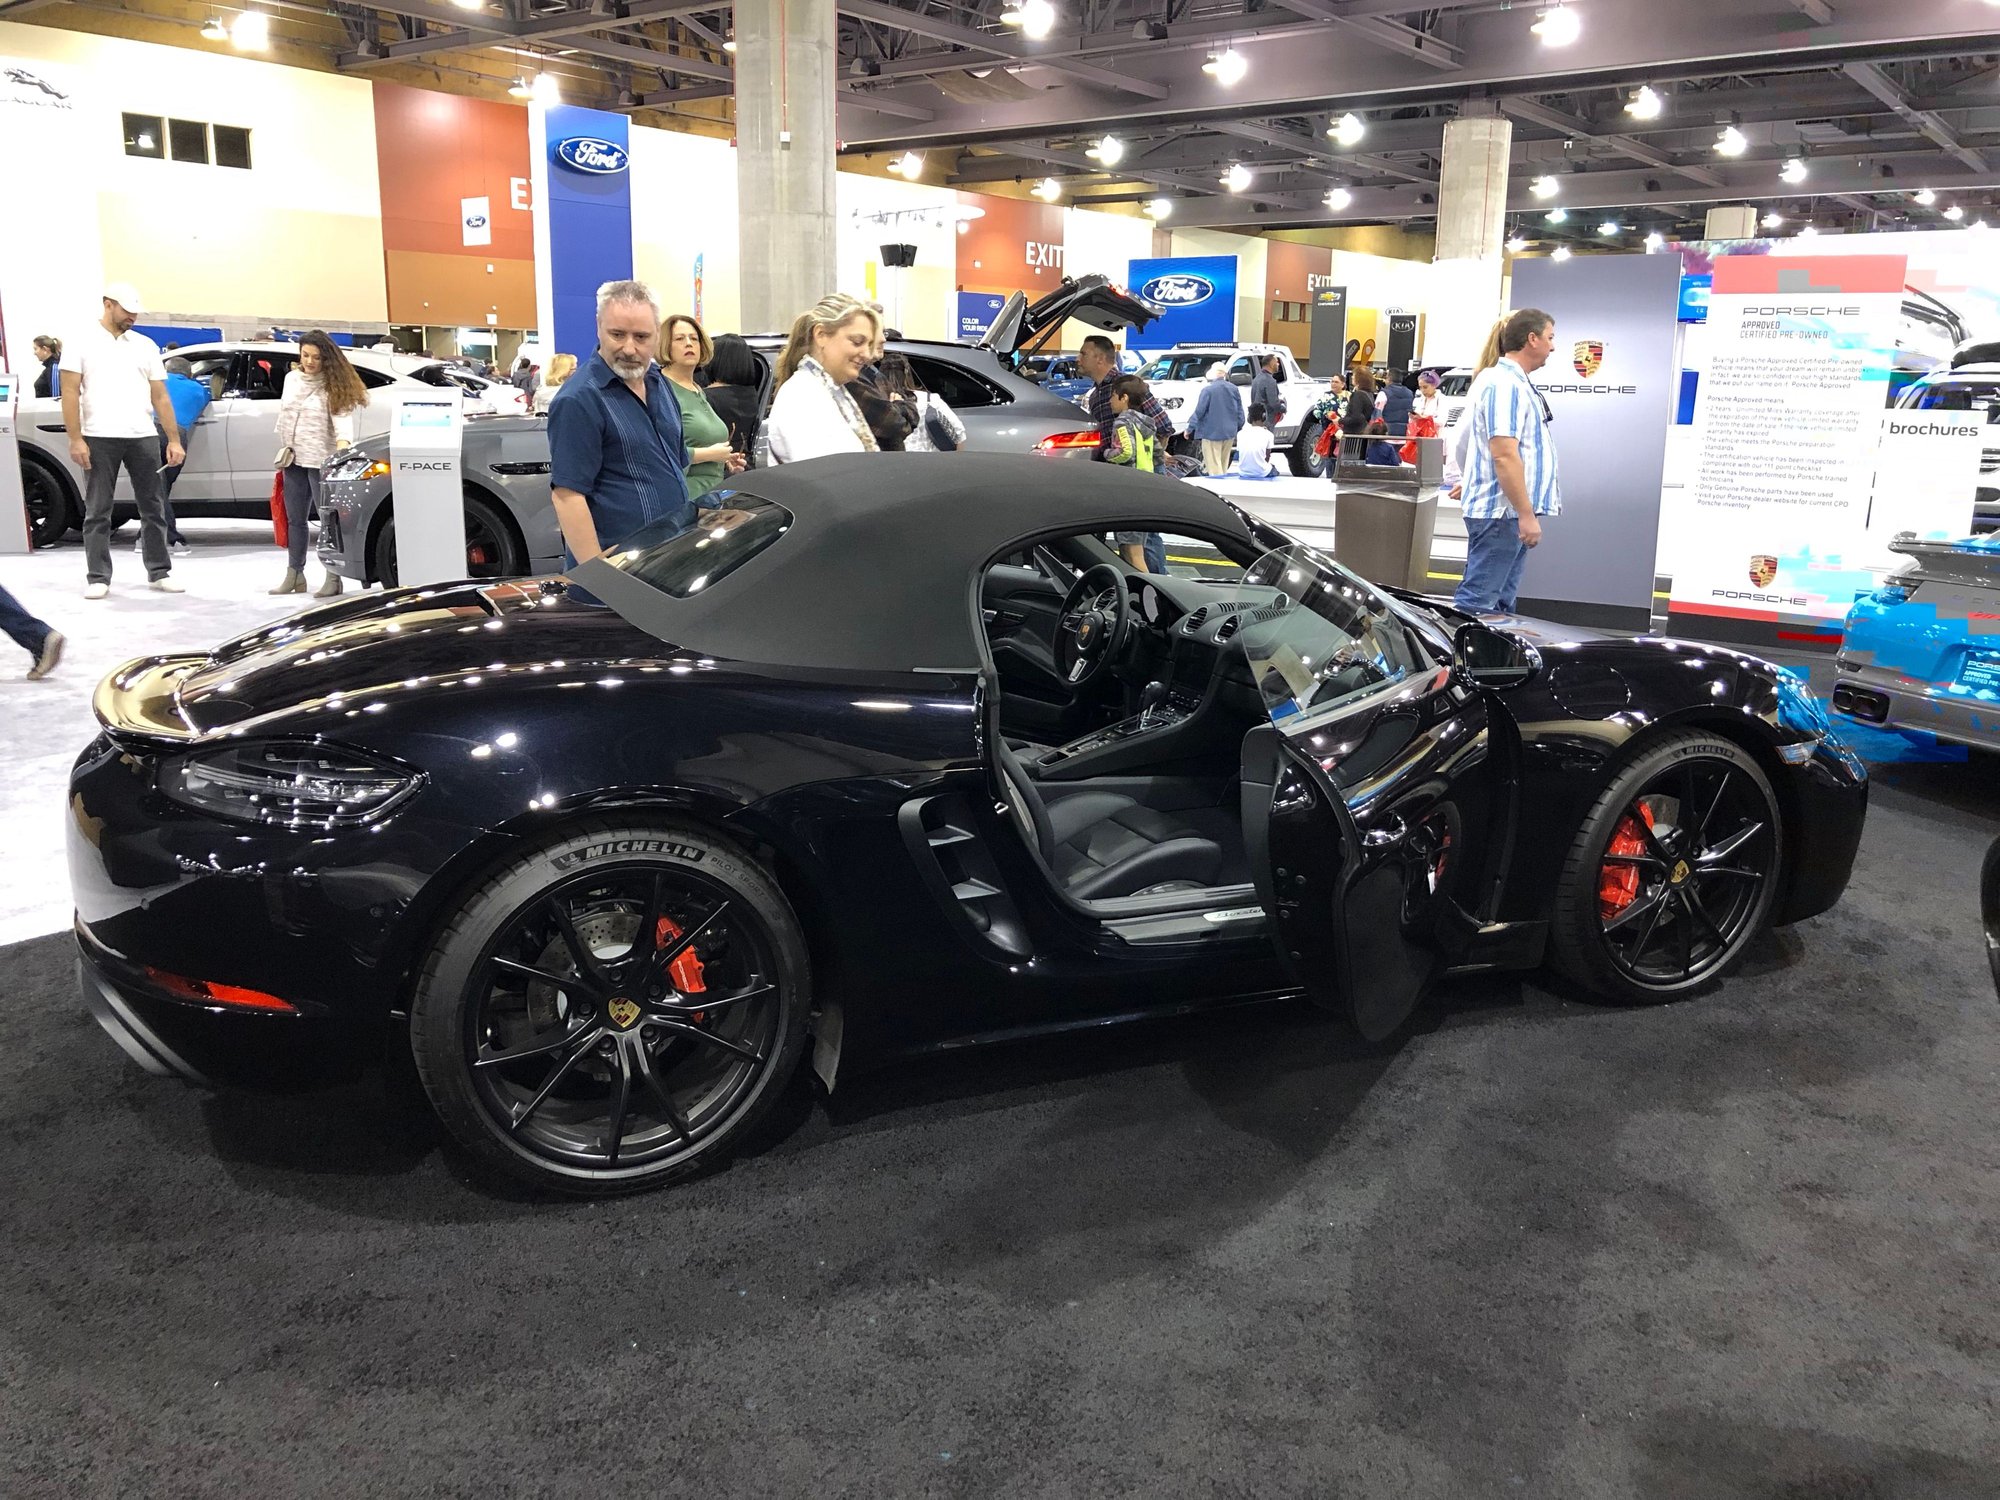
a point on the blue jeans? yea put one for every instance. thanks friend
(29, 633)
(1156, 552)
(1494, 561)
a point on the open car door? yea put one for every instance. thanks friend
(1095, 300)
(1375, 806)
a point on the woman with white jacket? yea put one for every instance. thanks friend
(813, 414)
(319, 397)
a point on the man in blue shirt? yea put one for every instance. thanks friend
(617, 458)
(190, 397)
(1510, 469)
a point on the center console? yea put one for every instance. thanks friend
(1160, 720)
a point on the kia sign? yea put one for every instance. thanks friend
(585, 153)
(1196, 295)
(1179, 290)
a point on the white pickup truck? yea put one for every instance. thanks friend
(1178, 375)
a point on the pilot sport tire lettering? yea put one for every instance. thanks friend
(1672, 874)
(614, 1010)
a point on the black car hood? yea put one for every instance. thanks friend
(323, 661)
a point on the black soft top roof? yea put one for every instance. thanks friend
(876, 571)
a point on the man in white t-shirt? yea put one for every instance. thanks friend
(115, 405)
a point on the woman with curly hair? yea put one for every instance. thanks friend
(318, 396)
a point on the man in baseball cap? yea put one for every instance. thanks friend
(116, 407)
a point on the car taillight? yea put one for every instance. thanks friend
(207, 992)
(1067, 442)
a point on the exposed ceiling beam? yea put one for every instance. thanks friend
(1394, 35)
(463, 30)
(1570, 125)
(1883, 87)
(858, 99)
(994, 45)
(1816, 11)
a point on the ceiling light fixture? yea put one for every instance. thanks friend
(1348, 130)
(1160, 208)
(1773, 220)
(1545, 187)
(1561, 252)
(1036, 18)
(1557, 216)
(1238, 177)
(519, 88)
(1226, 67)
(1924, 197)
(910, 164)
(1646, 104)
(1807, 231)
(1558, 26)
(1109, 151)
(1609, 227)
(1048, 190)
(1515, 245)
(1793, 171)
(729, 42)
(1732, 142)
(251, 32)
(1655, 241)
(1338, 198)
(546, 90)
(214, 31)
(470, 4)
(1954, 213)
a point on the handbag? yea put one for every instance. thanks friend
(281, 530)
(939, 431)
(1323, 444)
(284, 458)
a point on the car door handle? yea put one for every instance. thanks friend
(1387, 836)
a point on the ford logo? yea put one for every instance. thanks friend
(583, 153)
(475, 221)
(1178, 289)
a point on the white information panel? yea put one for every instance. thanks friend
(13, 505)
(425, 436)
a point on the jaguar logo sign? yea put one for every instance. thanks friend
(1177, 289)
(25, 86)
(1587, 356)
(1763, 568)
(585, 153)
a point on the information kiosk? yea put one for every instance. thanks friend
(13, 504)
(425, 437)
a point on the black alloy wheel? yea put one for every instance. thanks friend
(1672, 874)
(612, 1012)
(50, 514)
(490, 548)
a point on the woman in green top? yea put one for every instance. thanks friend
(710, 458)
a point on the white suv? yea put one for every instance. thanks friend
(1177, 376)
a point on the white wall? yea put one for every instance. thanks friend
(1105, 243)
(920, 300)
(296, 239)
(683, 206)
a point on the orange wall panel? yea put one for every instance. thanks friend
(427, 287)
(1015, 247)
(433, 150)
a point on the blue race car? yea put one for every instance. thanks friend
(1922, 653)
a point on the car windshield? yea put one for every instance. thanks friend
(1180, 366)
(1318, 636)
(683, 563)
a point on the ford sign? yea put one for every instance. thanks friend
(584, 153)
(1177, 289)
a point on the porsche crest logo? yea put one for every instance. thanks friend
(623, 1013)
(1763, 568)
(1681, 872)
(1587, 356)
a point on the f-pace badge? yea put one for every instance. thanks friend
(1587, 356)
(1763, 568)
(623, 1013)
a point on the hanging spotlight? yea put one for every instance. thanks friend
(1226, 67)
(1646, 104)
(1558, 26)
(1557, 216)
(1109, 152)
(1807, 231)
(251, 32)
(470, 4)
(1048, 190)
(1515, 245)
(1732, 142)
(1773, 220)
(1347, 130)
(1160, 208)
(1954, 213)
(1793, 171)
(1609, 227)
(1655, 241)
(1545, 187)
(214, 31)
(1238, 177)
(1338, 198)
(1924, 197)
(519, 88)
(1561, 252)
(545, 90)
(910, 164)
(1036, 18)
(729, 42)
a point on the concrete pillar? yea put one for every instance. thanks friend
(1471, 237)
(1736, 221)
(785, 73)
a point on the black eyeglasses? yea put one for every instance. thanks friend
(1548, 415)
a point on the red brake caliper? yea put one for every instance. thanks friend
(685, 970)
(1618, 884)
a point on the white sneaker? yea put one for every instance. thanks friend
(97, 591)
(168, 584)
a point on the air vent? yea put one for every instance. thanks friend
(1196, 620)
(1228, 628)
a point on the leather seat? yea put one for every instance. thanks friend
(1102, 844)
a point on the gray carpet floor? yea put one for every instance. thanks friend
(1746, 1245)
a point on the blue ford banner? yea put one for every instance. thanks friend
(976, 312)
(1196, 295)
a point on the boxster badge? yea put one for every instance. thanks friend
(1763, 568)
(1587, 356)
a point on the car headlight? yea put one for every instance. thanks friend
(352, 465)
(289, 784)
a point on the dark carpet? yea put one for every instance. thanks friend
(1746, 1245)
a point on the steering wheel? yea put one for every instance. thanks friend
(1096, 618)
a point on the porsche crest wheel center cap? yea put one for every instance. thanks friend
(622, 1012)
(1680, 872)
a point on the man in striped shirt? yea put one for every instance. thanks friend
(1510, 471)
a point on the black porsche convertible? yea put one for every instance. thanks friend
(892, 754)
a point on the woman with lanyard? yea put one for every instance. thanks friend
(318, 396)
(814, 414)
(710, 458)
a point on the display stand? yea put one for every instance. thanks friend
(425, 437)
(13, 502)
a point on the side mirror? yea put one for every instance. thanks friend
(1493, 659)
(1239, 379)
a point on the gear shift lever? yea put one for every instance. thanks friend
(1152, 697)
